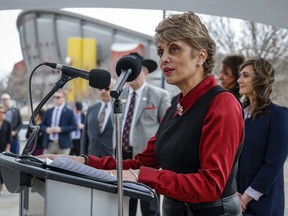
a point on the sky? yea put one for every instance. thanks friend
(10, 50)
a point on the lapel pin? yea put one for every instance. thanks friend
(179, 109)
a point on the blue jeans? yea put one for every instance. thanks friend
(15, 145)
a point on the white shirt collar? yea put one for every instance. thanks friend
(137, 91)
(60, 107)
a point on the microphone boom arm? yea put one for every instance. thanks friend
(59, 84)
(35, 129)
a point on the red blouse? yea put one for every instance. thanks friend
(222, 133)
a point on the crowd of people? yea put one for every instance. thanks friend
(217, 148)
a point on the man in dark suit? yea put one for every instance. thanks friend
(57, 125)
(13, 116)
(97, 138)
(150, 105)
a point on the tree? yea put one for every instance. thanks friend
(17, 86)
(248, 38)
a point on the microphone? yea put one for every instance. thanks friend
(128, 69)
(98, 78)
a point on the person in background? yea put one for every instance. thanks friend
(5, 137)
(57, 125)
(14, 117)
(141, 123)
(260, 178)
(97, 138)
(77, 134)
(39, 148)
(150, 106)
(192, 158)
(229, 73)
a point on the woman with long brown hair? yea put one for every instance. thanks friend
(260, 179)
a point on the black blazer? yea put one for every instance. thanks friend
(5, 134)
(16, 120)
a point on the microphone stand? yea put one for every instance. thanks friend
(35, 128)
(117, 114)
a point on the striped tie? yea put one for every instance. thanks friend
(102, 117)
(127, 125)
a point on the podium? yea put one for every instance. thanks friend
(66, 193)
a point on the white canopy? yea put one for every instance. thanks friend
(272, 12)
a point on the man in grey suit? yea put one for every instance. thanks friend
(149, 106)
(97, 137)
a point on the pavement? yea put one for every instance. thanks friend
(9, 203)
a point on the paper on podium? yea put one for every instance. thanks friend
(71, 165)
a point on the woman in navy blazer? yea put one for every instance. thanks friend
(260, 178)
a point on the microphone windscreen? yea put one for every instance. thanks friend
(99, 79)
(129, 62)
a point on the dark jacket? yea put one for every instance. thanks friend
(262, 159)
(16, 120)
(5, 135)
(94, 141)
(67, 124)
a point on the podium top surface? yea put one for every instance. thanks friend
(9, 166)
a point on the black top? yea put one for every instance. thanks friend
(187, 140)
(16, 120)
(5, 135)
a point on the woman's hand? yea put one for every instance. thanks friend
(244, 200)
(131, 175)
(128, 175)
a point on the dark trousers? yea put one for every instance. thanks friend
(75, 150)
(1, 179)
(147, 208)
(225, 206)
